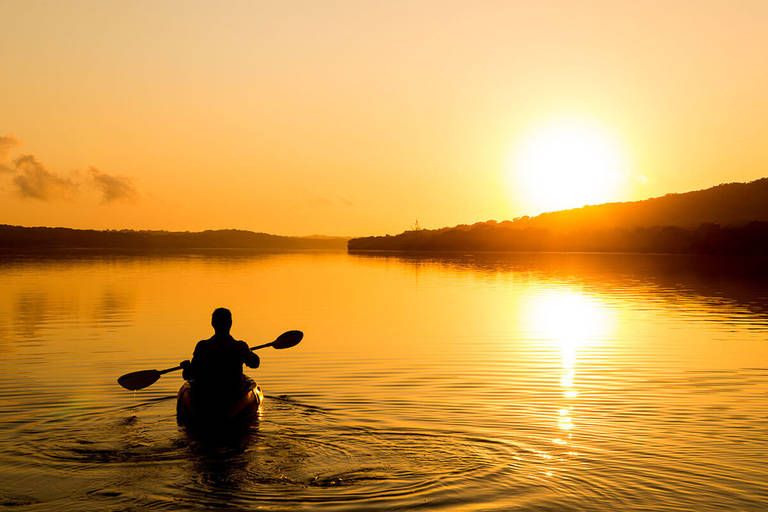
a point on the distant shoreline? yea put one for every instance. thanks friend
(501, 252)
(708, 238)
(9, 251)
(41, 239)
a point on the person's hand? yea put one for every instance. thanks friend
(185, 364)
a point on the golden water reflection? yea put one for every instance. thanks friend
(600, 382)
(569, 321)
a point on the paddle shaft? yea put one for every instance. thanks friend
(257, 347)
(144, 378)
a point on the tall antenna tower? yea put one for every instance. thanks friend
(417, 226)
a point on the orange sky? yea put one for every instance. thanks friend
(358, 117)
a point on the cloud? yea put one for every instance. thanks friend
(113, 188)
(7, 143)
(34, 181)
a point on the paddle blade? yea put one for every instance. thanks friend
(288, 339)
(139, 380)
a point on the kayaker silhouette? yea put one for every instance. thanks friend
(216, 385)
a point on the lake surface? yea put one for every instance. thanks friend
(540, 382)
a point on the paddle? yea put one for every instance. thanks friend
(145, 378)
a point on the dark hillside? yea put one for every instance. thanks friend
(727, 218)
(730, 204)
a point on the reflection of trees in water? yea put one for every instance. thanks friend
(35, 310)
(71, 259)
(719, 281)
(67, 286)
(32, 310)
(90, 263)
(114, 307)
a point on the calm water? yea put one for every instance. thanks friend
(494, 382)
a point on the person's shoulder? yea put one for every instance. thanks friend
(203, 344)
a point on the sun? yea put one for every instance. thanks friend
(567, 164)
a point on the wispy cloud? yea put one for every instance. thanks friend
(113, 188)
(34, 181)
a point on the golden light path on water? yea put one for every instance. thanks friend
(568, 321)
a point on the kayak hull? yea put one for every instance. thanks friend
(190, 413)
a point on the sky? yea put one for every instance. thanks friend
(357, 118)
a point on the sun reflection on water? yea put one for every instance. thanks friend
(570, 321)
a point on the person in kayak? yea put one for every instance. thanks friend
(215, 372)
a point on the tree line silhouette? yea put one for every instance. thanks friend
(38, 238)
(708, 238)
(728, 218)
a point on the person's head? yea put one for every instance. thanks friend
(221, 320)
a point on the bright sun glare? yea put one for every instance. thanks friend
(566, 165)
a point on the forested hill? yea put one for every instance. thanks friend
(21, 238)
(730, 204)
(731, 217)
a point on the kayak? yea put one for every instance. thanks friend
(190, 413)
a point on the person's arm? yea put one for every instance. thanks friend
(250, 359)
(188, 367)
